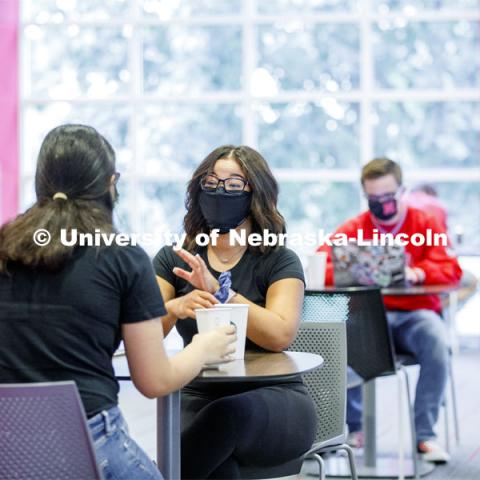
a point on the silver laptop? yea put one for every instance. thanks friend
(382, 265)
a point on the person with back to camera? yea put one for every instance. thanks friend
(65, 309)
(225, 426)
(414, 320)
(425, 197)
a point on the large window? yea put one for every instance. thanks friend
(318, 86)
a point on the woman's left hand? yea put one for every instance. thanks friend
(200, 277)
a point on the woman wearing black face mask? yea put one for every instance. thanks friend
(233, 188)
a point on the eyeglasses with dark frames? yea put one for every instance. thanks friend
(397, 194)
(210, 183)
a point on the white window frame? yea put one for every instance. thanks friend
(249, 19)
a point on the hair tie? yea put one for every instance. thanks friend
(60, 195)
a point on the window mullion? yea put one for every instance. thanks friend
(136, 72)
(249, 61)
(366, 85)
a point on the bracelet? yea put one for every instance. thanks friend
(225, 282)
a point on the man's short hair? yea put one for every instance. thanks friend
(378, 167)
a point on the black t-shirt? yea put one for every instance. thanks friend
(66, 325)
(251, 277)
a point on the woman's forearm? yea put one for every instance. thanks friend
(169, 320)
(183, 367)
(266, 328)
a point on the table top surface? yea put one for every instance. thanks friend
(420, 290)
(398, 290)
(257, 366)
(262, 366)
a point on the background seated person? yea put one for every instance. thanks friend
(425, 197)
(415, 321)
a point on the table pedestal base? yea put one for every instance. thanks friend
(386, 467)
(168, 435)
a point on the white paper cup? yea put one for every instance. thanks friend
(316, 266)
(239, 317)
(209, 319)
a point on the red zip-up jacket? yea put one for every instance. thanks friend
(440, 268)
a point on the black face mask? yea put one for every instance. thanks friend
(223, 210)
(384, 207)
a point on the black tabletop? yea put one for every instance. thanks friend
(257, 366)
(397, 290)
(420, 290)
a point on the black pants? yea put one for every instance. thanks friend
(261, 427)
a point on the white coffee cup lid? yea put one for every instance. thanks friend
(222, 307)
(231, 305)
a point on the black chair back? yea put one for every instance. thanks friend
(370, 349)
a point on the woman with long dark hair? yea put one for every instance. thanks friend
(225, 426)
(64, 308)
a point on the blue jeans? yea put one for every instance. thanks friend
(423, 334)
(118, 456)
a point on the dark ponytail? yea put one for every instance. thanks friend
(74, 160)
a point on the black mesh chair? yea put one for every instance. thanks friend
(365, 303)
(322, 331)
(44, 434)
(370, 348)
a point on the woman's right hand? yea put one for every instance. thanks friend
(184, 307)
(217, 345)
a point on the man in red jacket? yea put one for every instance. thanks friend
(414, 320)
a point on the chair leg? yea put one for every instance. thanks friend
(456, 424)
(351, 460)
(447, 422)
(321, 466)
(401, 449)
(412, 426)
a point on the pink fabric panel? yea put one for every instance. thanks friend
(9, 151)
